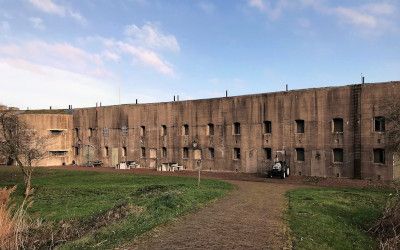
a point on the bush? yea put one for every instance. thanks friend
(7, 220)
(387, 228)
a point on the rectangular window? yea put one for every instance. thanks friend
(185, 129)
(76, 132)
(337, 125)
(143, 152)
(197, 154)
(185, 153)
(90, 132)
(300, 154)
(106, 151)
(56, 131)
(211, 153)
(142, 131)
(379, 155)
(236, 153)
(210, 129)
(58, 153)
(124, 130)
(163, 130)
(267, 127)
(300, 126)
(124, 151)
(338, 155)
(164, 152)
(379, 124)
(76, 151)
(268, 153)
(236, 128)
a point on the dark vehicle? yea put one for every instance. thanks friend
(280, 167)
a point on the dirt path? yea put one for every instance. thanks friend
(251, 217)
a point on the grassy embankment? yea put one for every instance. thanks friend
(334, 218)
(81, 199)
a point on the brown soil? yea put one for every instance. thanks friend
(251, 217)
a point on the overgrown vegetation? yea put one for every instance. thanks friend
(387, 228)
(82, 209)
(335, 218)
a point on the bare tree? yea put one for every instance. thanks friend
(21, 144)
(392, 117)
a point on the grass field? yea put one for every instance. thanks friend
(334, 218)
(82, 199)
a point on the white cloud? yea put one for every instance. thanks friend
(37, 23)
(148, 57)
(150, 36)
(207, 7)
(60, 55)
(25, 84)
(48, 6)
(371, 18)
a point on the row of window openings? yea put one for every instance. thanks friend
(338, 155)
(337, 127)
(378, 154)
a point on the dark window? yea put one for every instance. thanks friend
(76, 149)
(56, 131)
(210, 129)
(337, 124)
(300, 126)
(143, 152)
(236, 128)
(106, 151)
(236, 153)
(185, 129)
(142, 131)
(58, 153)
(379, 155)
(77, 132)
(163, 130)
(379, 124)
(164, 152)
(211, 152)
(267, 127)
(268, 153)
(300, 154)
(338, 155)
(91, 132)
(124, 151)
(185, 153)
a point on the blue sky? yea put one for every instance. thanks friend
(58, 52)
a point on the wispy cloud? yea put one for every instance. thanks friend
(50, 7)
(45, 86)
(150, 36)
(207, 7)
(37, 23)
(60, 55)
(370, 18)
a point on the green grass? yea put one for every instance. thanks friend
(62, 195)
(334, 218)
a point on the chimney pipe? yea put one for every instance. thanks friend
(100, 104)
(50, 107)
(226, 93)
(177, 97)
(136, 101)
(287, 87)
(174, 97)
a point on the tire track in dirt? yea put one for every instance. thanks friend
(251, 217)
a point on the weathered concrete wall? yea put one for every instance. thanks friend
(119, 127)
(57, 127)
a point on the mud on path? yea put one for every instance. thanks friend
(250, 217)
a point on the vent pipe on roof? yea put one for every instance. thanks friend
(226, 93)
(136, 101)
(287, 87)
(50, 107)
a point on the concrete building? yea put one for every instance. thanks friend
(330, 132)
